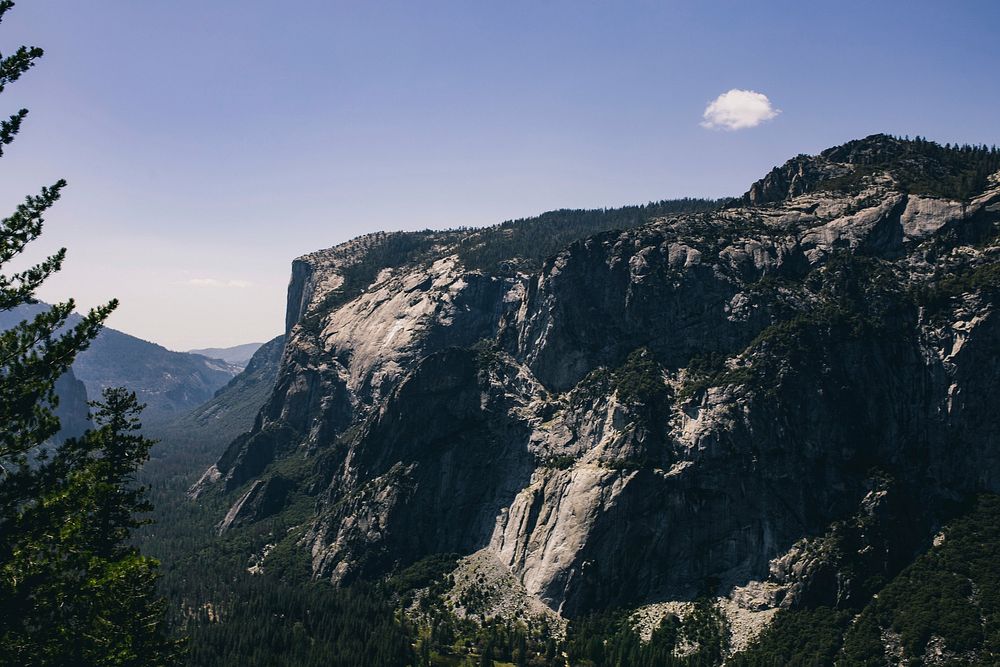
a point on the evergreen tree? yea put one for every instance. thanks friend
(71, 592)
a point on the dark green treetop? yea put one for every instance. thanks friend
(72, 592)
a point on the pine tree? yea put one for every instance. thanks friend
(122, 619)
(71, 592)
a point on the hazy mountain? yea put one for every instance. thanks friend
(238, 355)
(168, 382)
(713, 415)
(209, 427)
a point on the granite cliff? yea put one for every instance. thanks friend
(776, 401)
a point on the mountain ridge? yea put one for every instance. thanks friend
(168, 382)
(739, 392)
(238, 355)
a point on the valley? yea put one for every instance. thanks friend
(708, 432)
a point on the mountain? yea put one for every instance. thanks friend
(168, 382)
(238, 355)
(233, 407)
(209, 427)
(711, 418)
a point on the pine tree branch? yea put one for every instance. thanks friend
(10, 127)
(5, 6)
(12, 67)
(25, 224)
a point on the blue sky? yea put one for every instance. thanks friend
(209, 143)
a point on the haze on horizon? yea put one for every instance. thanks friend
(208, 144)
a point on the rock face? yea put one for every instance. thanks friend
(783, 395)
(72, 410)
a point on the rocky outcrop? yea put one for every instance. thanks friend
(783, 395)
(262, 499)
(341, 364)
(798, 176)
(72, 409)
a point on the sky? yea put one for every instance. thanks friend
(209, 143)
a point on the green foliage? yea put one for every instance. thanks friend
(422, 573)
(288, 561)
(952, 592)
(561, 462)
(279, 616)
(525, 243)
(609, 640)
(74, 591)
(71, 589)
(596, 385)
(122, 450)
(201, 435)
(850, 297)
(949, 594)
(384, 251)
(487, 354)
(515, 245)
(710, 370)
(919, 166)
(639, 381)
(937, 294)
(232, 617)
(262, 621)
(798, 333)
(799, 638)
(444, 639)
(640, 384)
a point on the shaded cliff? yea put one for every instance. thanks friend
(776, 401)
(72, 410)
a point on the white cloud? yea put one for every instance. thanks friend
(738, 109)
(212, 282)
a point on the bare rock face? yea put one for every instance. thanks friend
(779, 396)
(72, 409)
(799, 175)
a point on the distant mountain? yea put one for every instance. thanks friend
(204, 432)
(238, 355)
(168, 382)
